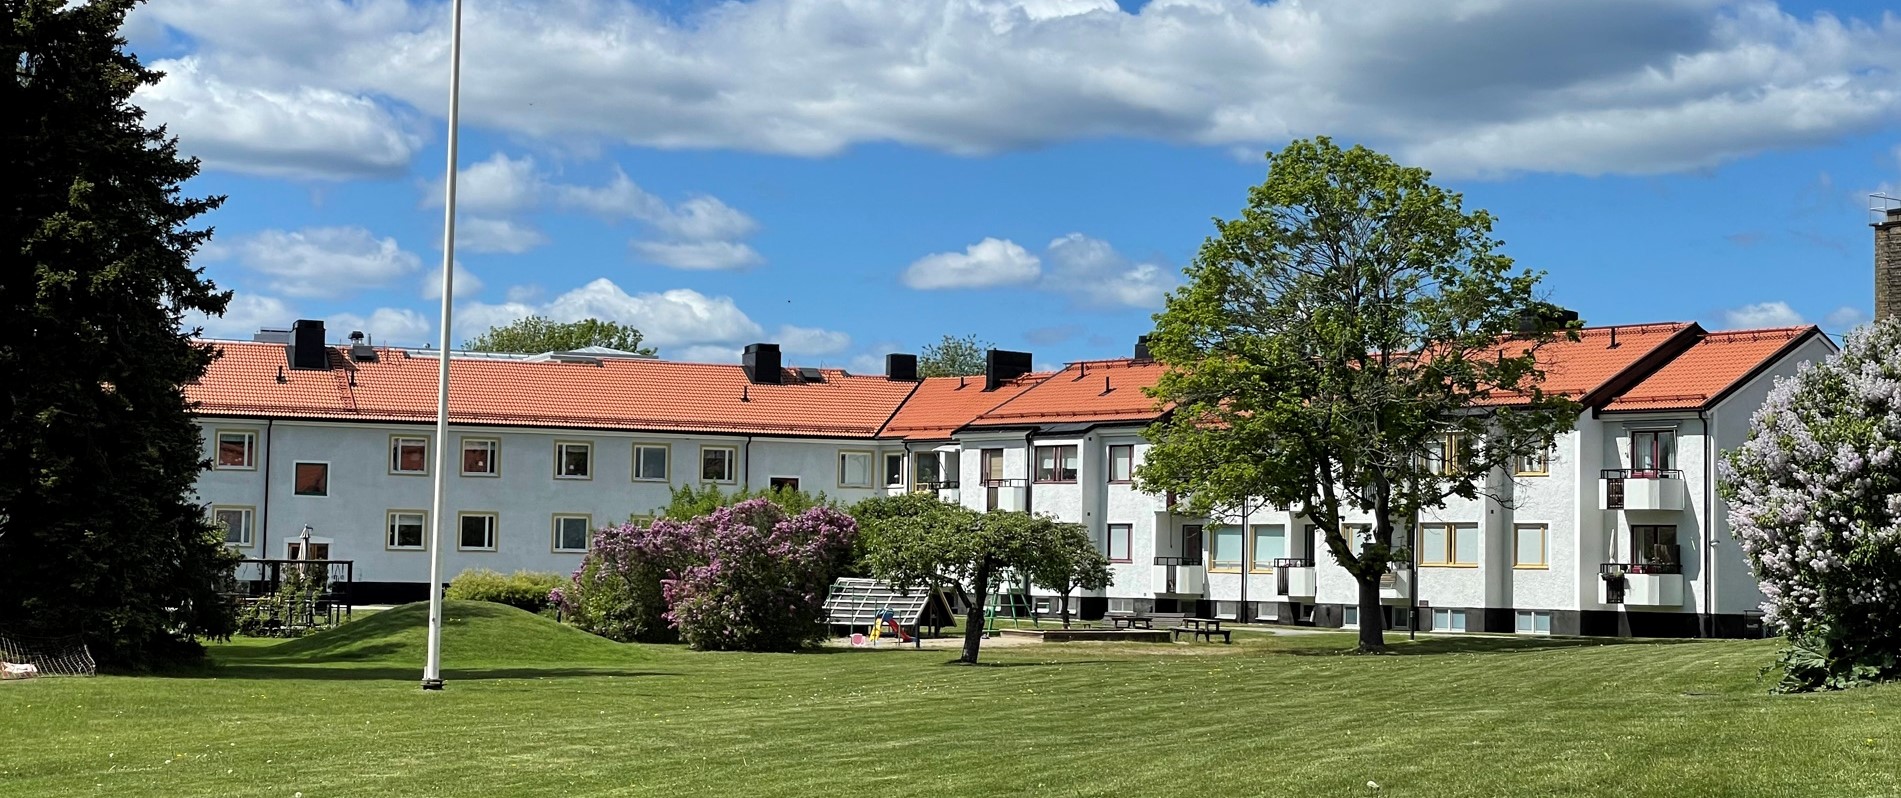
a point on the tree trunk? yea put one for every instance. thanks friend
(1372, 621)
(1065, 609)
(974, 619)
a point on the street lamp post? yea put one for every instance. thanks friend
(432, 668)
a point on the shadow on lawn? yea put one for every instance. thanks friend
(344, 672)
(1487, 645)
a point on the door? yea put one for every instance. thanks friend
(1652, 451)
(1192, 549)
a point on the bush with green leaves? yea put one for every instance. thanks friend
(688, 502)
(1815, 504)
(528, 590)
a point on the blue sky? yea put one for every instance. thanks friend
(852, 178)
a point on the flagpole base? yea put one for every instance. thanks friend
(432, 684)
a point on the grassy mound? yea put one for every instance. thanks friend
(474, 634)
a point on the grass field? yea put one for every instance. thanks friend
(536, 709)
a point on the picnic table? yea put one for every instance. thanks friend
(1202, 628)
(1131, 621)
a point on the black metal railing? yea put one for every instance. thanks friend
(993, 490)
(942, 484)
(1669, 564)
(1641, 473)
(1294, 562)
(1194, 560)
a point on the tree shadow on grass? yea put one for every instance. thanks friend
(1484, 645)
(318, 671)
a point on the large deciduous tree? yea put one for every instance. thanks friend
(952, 356)
(99, 532)
(536, 334)
(916, 542)
(1328, 342)
(1815, 504)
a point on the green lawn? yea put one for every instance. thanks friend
(535, 709)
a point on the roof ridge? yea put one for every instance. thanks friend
(1759, 333)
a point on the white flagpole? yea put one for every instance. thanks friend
(432, 669)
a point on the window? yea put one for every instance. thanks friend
(1448, 620)
(405, 529)
(1449, 544)
(650, 461)
(1121, 463)
(1119, 542)
(476, 531)
(1532, 622)
(1191, 544)
(1270, 544)
(237, 525)
(1228, 610)
(893, 469)
(854, 469)
(1043, 605)
(1349, 615)
(1536, 464)
(992, 466)
(237, 450)
(782, 483)
(478, 457)
(717, 463)
(1652, 451)
(1443, 455)
(573, 460)
(408, 455)
(1266, 611)
(935, 469)
(1122, 605)
(571, 532)
(310, 479)
(319, 550)
(1528, 546)
(1226, 555)
(1056, 464)
(1653, 544)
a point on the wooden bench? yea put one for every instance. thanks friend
(1130, 620)
(1202, 629)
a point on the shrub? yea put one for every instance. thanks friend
(688, 502)
(761, 576)
(616, 593)
(1815, 504)
(528, 590)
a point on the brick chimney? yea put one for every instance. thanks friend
(1888, 264)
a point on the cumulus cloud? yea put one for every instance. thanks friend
(1763, 314)
(320, 261)
(672, 320)
(385, 326)
(1478, 88)
(497, 185)
(1845, 318)
(1090, 270)
(245, 314)
(466, 283)
(988, 263)
(698, 255)
(483, 236)
(811, 340)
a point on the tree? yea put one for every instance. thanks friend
(687, 502)
(1327, 344)
(99, 534)
(916, 542)
(953, 357)
(761, 577)
(1813, 503)
(1071, 563)
(536, 334)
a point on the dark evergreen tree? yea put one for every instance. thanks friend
(99, 530)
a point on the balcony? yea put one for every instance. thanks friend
(1004, 494)
(1397, 583)
(1641, 584)
(945, 490)
(1625, 489)
(1294, 577)
(1180, 576)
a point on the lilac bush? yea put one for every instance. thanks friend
(1815, 503)
(617, 591)
(760, 576)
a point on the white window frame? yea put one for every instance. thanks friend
(494, 529)
(396, 444)
(554, 532)
(249, 537)
(250, 449)
(1449, 614)
(666, 466)
(1350, 616)
(1122, 605)
(732, 464)
(389, 530)
(561, 449)
(1525, 622)
(846, 454)
(494, 457)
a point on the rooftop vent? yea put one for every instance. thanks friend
(1002, 366)
(762, 364)
(900, 368)
(359, 351)
(272, 335)
(1142, 349)
(809, 374)
(306, 349)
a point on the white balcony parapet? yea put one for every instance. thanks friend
(1294, 577)
(1624, 489)
(1396, 585)
(1651, 584)
(1176, 576)
(1004, 494)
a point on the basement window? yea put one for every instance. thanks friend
(1532, 622)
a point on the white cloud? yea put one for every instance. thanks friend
(1763, 314)
(320, 261)
(1845, 318)
(698, 255)
(495, 186)
(1481, 87)
(245, 314)
(811, 340)
(466, 283)
(701, 233)
(986, 264)
(524, 293)
(674, 320)
(496, 235)
(386, 326)
(303, 131)
(706, 353)
(1095, 274)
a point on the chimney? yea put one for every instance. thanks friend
(900, 368)
(1001, 367)
(1888, 262)
(306, 349)
(762, 364)
(1142, 349)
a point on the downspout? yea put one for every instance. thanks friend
(745, 478)
(264, 512)
(1708, 622)
(1029, 468)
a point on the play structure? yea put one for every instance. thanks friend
(1008, 600)
(878, 609)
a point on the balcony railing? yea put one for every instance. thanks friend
(1640, 489)
(1194, 560)
(1003, 494)
(942, 484)
(1639, 473)
(1294, 562)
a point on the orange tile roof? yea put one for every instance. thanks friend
(1088, 391)
(942, 405)
(1578, 369)
(619, 393)
(1706, 372)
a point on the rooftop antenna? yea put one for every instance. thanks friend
(960, 382)
(1613, 337)
(280, 376)
(745, 394)
(1105, 385)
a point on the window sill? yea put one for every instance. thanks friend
(409, 473)
(387, 547)
(1213, 570)
(234, 468)
(1121, 482)
(1448, 565)
(1054, 482)
(1545, 567)
(843, 486)
(573, 477)
(570, 551)
(1532, 474)
(313, 495)
(481, 474)
(465, 548)
(1262, 571)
